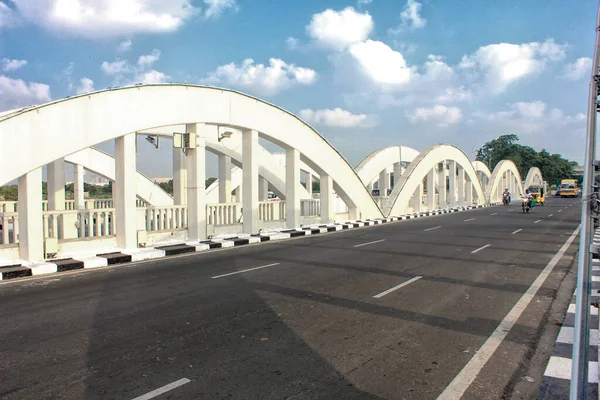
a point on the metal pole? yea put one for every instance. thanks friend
(579, 371)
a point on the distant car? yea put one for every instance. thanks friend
(557, 192)
(375, 192)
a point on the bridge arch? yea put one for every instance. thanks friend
(534, 177)
(506, 174)
(369, 169)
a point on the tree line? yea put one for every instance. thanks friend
(553, 166)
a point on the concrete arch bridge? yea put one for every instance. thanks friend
(232, 125)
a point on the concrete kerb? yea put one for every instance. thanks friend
(114, 257)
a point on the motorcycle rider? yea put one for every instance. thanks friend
(529, 197)
(506, 193)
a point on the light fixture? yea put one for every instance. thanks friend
(225, 135)
(152, 140)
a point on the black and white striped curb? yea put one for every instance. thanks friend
(556, 381)
(127, 256)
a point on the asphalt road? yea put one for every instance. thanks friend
(308, 327)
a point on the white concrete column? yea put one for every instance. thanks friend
(29, 207)
(469, 193)
(431, 189)
(179, 178)
(78, 187)
(125, 192)
(56, 185)
(250, 180)
(309, 183)
(461, 186)
(418, 198)
(263, 189)
(452, 178)
(238, 193)
(292, 197)
(224, 179)
(384, 183)
(326, 196)
(442, 186)
(196, 183)
(397, 173)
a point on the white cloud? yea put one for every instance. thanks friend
(86, 85)
(454, 95)
(16, 93)
(115, 67)
(124, 46)
(147, 60)
(292, 43)
(217, 7)
(578, 69)
(261, 79)
(382, 65)
(12, 65)
(335, 118)
(340, 29)
(8, 17)
(501, 64)
(151, 76)
(363, 2)
(411, 15)
(99, 19)
(441, 114)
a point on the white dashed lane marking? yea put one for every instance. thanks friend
(408, 282)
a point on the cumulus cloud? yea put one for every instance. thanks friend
(501, 64)
(580, 68)
(8, 17)
(86, 85)
(217, 7)
(124, 46)
(16, 93)
(442, 115)
(115, 67)
(151, 76)
(339, 29)
(336, 118)
(382, 65)
(98, 19)
(141, 72)
(363, 2)
(9, 65)
(411, 16)
(146, 61)
(260, 79)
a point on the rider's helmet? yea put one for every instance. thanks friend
(527, 191)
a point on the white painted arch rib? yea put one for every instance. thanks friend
(368, 169)
(418, 170)
(42, 134)
(481, 167)
(492, 193)
(534, 177)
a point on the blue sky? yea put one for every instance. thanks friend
(366, 74)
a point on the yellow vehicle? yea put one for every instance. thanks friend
(538, 194)
(568, 188)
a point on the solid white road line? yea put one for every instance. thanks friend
(366, 244)
(517, 231)
(494, 214)
(467, 375)
(539, 220)
(244, 270)
(470, 219)
(163, 389)
(481, 248)
(408, 282)
(435, 227)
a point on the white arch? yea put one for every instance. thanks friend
(369, 168)
(493, 193)
(534, 177)
(103, 164)
(419, 169)
(478, 166)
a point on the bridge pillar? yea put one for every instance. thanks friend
(397, 172)
(179, 178)
(78, 187)
(384, 183)
(452, 178)
(469, 193)
(418, 198)
(125, 191)
(263, 189)
(461, 186)
(31, 229)
(292, 198)
(196, 183)
(56, 185)
(326, 189)
(250, 180)
(224, 179)
(431, 189)
(442, 185)
(309, 182)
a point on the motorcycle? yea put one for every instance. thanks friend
(506, 199)
(526, 204)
